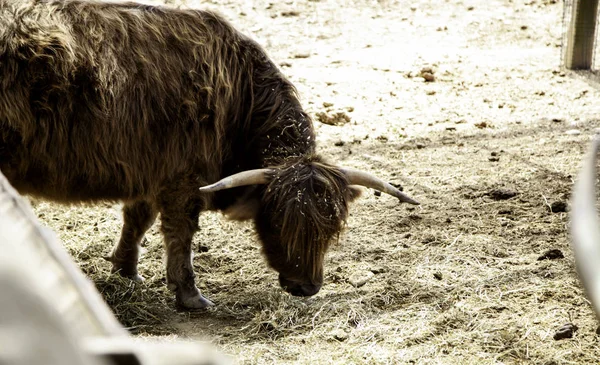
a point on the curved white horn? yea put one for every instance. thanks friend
(248, 177)
(357, 177)
(585, 227)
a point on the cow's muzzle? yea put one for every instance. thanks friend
(299, 289)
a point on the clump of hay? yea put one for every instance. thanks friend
(140, 307)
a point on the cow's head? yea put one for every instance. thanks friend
(302, 209)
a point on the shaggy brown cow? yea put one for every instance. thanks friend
(145, 104)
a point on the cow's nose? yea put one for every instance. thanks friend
(307, 290)
(297, 289)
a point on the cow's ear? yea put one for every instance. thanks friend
(353, 192)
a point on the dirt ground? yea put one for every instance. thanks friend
(490, 145)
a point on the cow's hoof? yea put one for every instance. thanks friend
(137, 278)
(129, 274)
(194, 302)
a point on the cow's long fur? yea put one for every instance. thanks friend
(145, 104)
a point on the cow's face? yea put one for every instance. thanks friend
(302, 211)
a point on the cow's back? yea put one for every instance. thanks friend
(106, 101)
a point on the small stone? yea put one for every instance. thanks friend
(566, 331)
(339, 143)
(339, 334)
(360, 278)
(553, 254)
(290, 13)
(302, 55)
(437, 276)
(494, 159)
(202, 248)
(430, 92)
(428, 77)
(558, 207)
(327, 104)
(481, 125)
(524, 27)
(378, 270)
(426, 70)
(377, 193)
(573, 132)
(336, 119)
(501, 194)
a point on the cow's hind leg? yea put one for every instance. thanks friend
(178, 227)
(138, 218)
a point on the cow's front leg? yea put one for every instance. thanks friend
(178, 231)
(138, 217)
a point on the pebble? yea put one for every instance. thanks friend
(566, 331)
(378, 269)
(360, 278)
(302, 55)
(427, 69)
(290, 13)
(428, 77)
(501, 194)
(553, 254)
(573, 132)
(558, 207)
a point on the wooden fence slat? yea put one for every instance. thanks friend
(581, 34)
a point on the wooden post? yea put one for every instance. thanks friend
(581, 35)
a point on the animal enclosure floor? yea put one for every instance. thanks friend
(490, 147)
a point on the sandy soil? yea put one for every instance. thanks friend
(485, 146)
